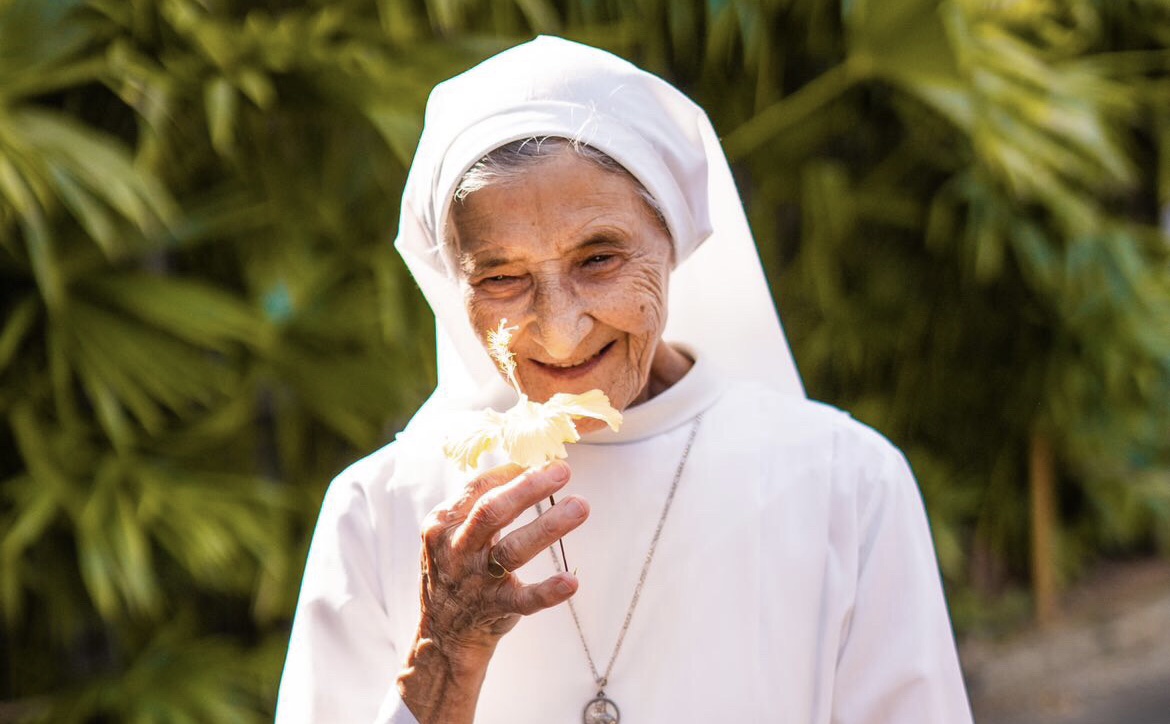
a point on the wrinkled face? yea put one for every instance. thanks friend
(573, 256)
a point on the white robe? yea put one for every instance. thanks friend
(795, 580)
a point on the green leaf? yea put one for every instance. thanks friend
(185, 309)
(36, 35)
(96, 170)
(34, 510)
(16, 330)
(257, 87)
(37, 235)
(221, 528)
(137, 364)
(221, 100)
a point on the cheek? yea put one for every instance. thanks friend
(639, 310)
(479, 313)
(638, 304)
(485, 312)
(484, 317)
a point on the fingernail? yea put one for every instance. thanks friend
(558, 471)
(574, 508)
(563, 586)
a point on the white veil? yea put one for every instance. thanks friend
(719, 303)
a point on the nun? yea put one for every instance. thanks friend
(734, 552)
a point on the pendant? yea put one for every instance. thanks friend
(601, 711)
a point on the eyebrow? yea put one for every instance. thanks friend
(471, 264)
(601, 238)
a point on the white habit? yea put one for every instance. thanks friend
(795, 580)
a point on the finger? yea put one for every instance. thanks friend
(535, 597)
(497, 508)
(474, 490)
(524, 543)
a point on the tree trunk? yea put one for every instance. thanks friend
(1042, 481)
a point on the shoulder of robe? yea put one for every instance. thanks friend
(408, 467)
(763, 414)
(857, 455)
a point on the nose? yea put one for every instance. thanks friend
(561, 319)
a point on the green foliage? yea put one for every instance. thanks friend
(202, 322)
(201, 319)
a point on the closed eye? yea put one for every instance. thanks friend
(599, 260)
(500, 282)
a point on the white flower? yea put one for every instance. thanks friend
(531, 433)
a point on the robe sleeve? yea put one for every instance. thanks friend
(897, 662)
(342, 663)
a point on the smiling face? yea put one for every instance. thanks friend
(573, 256)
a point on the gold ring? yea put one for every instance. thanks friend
(495, 570)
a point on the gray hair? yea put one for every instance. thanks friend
(506, 164)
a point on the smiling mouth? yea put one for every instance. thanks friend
(577, 369)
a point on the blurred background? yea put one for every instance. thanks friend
(958, 203)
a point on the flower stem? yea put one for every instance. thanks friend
(561, 541)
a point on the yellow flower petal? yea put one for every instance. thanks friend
(531, 436)
(593, 403)
(478, 434)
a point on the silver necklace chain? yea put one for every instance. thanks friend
(602, 681)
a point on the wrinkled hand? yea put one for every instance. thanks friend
(468, 601)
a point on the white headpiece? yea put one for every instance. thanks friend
(719, 303)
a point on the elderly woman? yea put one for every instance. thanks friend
(736, 552)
